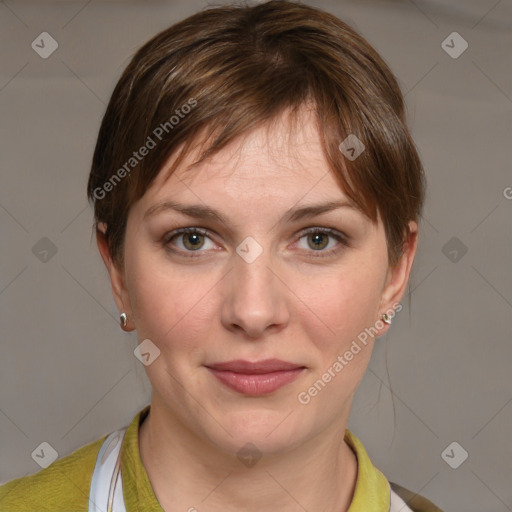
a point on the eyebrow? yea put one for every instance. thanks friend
(199, 211)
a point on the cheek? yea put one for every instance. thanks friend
(340, 305)
(338, 321)
(167, 304)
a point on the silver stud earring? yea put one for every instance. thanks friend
(123, 318)
(386, 319)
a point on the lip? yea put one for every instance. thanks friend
(256, 378)
(256, 367)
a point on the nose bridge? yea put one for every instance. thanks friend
(252, 269)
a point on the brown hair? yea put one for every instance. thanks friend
(227, 70)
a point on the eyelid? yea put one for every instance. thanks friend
(327, 230)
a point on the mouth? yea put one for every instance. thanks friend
(256, 378)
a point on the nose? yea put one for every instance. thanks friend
(256, 297)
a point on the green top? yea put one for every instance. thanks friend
(64, 485)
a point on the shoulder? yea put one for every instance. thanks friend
(414, 501)
(62, 486)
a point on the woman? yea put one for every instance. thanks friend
(256, 195)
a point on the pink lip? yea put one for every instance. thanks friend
(256, 378)
(264, 366)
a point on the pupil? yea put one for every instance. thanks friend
(316, 238)
(191, 238)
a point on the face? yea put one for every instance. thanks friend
(260, 280)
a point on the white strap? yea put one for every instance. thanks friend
(106, 493)
(397, 504)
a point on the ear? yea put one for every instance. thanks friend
(117, 279)
(398, 277)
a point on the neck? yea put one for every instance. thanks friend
(186, 472)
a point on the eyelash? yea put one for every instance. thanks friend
(341, 238)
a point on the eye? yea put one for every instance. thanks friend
(317, 240)
(192, 239)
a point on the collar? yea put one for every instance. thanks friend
(372, 491)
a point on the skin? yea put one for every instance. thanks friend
(289, 304)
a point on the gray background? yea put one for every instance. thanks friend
(67, 371)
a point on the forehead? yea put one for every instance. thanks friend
(283, 154)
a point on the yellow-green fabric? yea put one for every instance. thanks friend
(64, 485)
(372, 487)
